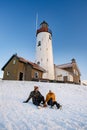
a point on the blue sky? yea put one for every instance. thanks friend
(66, 18)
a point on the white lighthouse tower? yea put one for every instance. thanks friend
(44, 53)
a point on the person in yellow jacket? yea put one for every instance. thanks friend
(51, 100)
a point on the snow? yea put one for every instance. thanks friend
(16, 115)
(84, 82)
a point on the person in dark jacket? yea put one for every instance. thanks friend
(37, 97)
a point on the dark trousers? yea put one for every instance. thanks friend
(52, 103)
(39, 100)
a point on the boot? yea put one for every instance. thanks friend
(45, 105)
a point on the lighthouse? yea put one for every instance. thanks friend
(44, 52)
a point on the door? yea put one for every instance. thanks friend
(21, 76)
(65, 78)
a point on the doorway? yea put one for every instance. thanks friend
(65, 78)
(21, 76)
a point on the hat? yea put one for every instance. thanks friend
(50, 91)
(35, 87)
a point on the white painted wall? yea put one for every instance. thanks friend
(60, 73)
(44, 54)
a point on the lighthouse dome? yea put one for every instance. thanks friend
(44, 28)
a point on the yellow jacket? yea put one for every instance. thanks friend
(50, 95)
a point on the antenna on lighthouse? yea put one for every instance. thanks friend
(36, 21)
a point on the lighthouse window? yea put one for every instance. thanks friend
(39, 43)
(38, 63)
(50, 37)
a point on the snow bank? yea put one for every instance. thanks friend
(16, 115)
(84, 82)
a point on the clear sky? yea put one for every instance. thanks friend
(66, 18)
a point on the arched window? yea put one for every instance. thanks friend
(39, 43)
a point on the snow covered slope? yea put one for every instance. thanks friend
(84, 82)
(16, 115)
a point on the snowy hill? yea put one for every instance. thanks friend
(16, 115)
(84, 82)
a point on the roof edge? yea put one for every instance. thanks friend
(14, 55)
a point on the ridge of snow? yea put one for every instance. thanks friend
(16, 115)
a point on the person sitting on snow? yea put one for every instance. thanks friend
(37, 97)
(50, 99)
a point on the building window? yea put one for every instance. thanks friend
(75, 72)
(36, 75)
(8, 73)
(39, 43)
(59, 77)
(14, 61)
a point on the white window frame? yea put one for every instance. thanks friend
(14, 61)
(8, 73)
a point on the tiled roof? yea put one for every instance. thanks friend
(68, 65)
(21, 59)
(34, 65)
